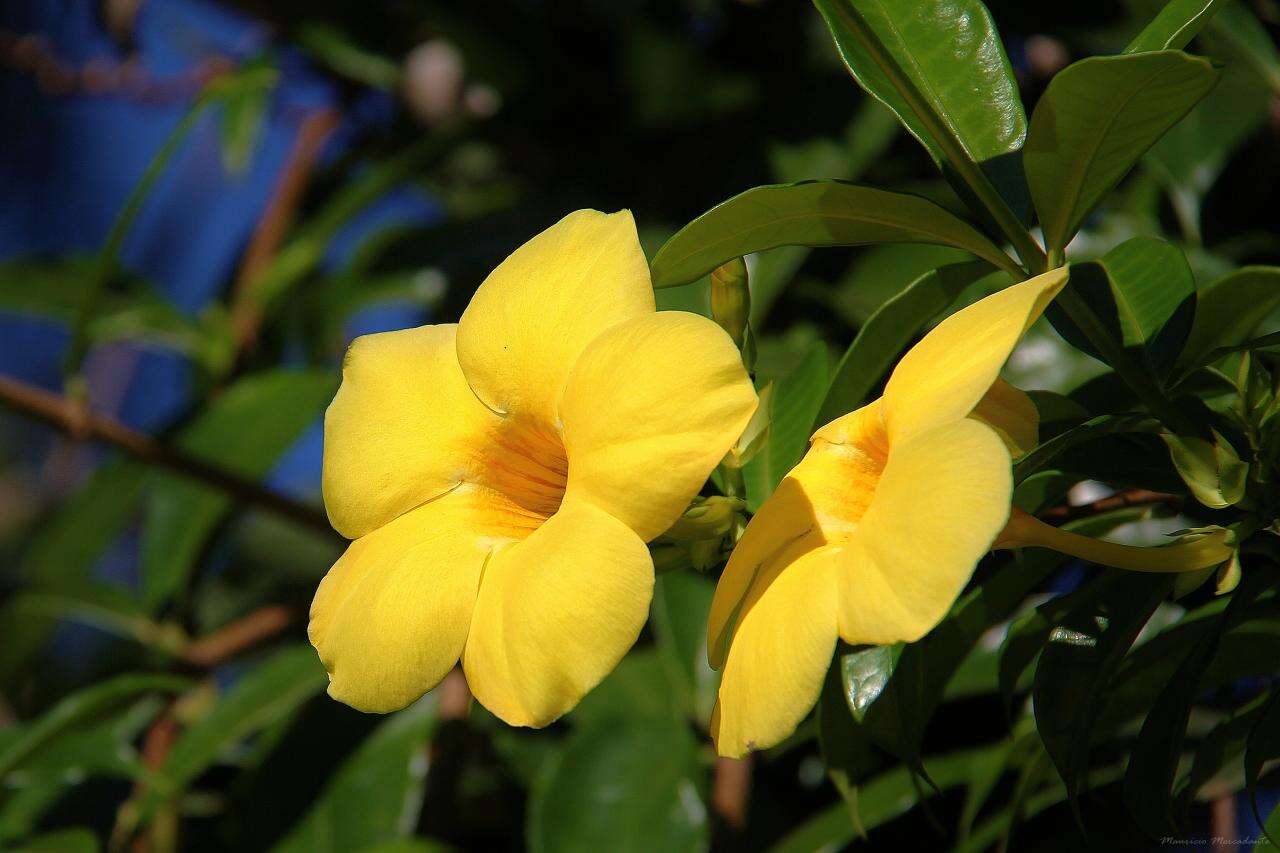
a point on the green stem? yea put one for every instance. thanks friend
(1114, 353)
(1033, 257)
(108, 258)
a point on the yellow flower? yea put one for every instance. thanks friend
(878, 529)
(501, 477)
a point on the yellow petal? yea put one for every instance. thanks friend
(403, 427)
(1012, 414)
(651, 407)
(820, 501)
(940, 503)
(944, 376)
(555, 614)
(780, 654)
(534, 314)
(391, 617)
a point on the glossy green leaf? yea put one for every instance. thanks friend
(1174, 26)
(263, 697)
(1222, 746)
(888, 331)
(1097, 117)
(847, 751)
(274, 408)
(79, 707)
(1228, 311)
(795, 401)
(376, 795)
(951, 56)
(1083, 653)
(812, 213)
(628, 785)
(1153, 762)
(1143, 293)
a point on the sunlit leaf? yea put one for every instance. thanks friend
(1095, 120)
(952, 55)
(812, 213)
(1174, 26)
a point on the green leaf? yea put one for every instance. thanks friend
(1174, 26)
(681, 604)
(242, 99)
(1143, 293)
(639, 686)
(628, 785)
(1228, 311)
(1237, 31)
(1095, 428)
(1154, 758)
(847, 751)
(1213, 471)
(888, 331)
(61, 841)
(266, 695)
(1083, 653)
(1191, 156)
(887, 796)
(951, 57)
(272, 407)
(812, 213)
(795, 401)
(132, 310)
(1097, 117)
(100, 746)
(893, 691)
(1262, 746)
(375, 796)
(79, 707)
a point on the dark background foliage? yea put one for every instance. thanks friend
(155, 687)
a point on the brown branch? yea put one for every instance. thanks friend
(731, 790)
(83, 425)
(246, 632)
(1129, 497)
(281, 210)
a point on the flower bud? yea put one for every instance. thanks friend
(731, 299)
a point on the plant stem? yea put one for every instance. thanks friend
(1033, 257)
(84, 425)
(108, 258)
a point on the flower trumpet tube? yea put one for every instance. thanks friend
(873, 535)
(501, 477)
(1197, 550)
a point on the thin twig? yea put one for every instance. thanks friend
(241, 635)
(84, 425)
(277, 218)
(1129, 497)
